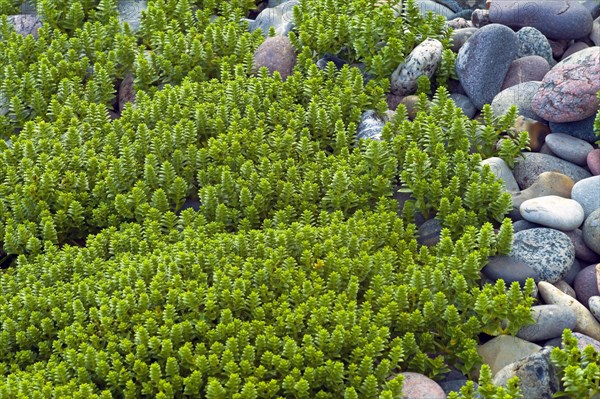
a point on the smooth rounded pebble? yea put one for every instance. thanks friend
(564, 287)
(481, 78)
(553, 211)
(532, 68)
(581, 249)
(550, 321)
(520, 95)
(536, 130)
(547, 183)
(460, 36)
(586, 322)
(504, 350)
(547, 251)
(586, 285)
(569, 148)
(583, 129)
(584, 341)
(276, 54)
(533, 164)
(594, 305)
(423, 60)
(591, 231)
(418, 386)
(463, 102)
(533, 42)
(501, 170)
(510, 270)
(593, 161)
(587, 193)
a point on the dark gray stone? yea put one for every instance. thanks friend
(586, 284)
(456, 385)
(550, 321)
(521, 225)
(581, 250)
(463, 102)
(583, 129)
(569, 278)
(327, 58)
(509, 269)
(26, 24)
(569, 148)
(429, 233)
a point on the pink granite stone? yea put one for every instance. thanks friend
(568, 91)
(593, 161)
(418, 386)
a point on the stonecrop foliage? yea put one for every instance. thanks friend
(227, 235)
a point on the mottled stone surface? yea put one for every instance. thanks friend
(586, 284)
(536, 130)
(533, 42)
(26, 24)
(276, 54)
(553, 211)
(594, 305)
(370, 126)
(459, 23)
(556, 19)
(130, 11)
(480, 18)
(418, 386)
(527, 170)
(423, 60)
(587, 193)
(586, 322)
(429, 232)
(504, 350)
(595, 33)
(460, 36)
(591, 231)
(510, 270)
(126, 91)
(520, 95)
(481, 79)
(410, 102)
(583, 129)
(501, 170)
(568, 91)
(538, 378)
(526, 69)
(550, 321)
(569, 148)
(278, 17)
(593, 161)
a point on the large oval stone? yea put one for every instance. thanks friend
(481, 78)
(423, 60)
(553, 211)
(519, 95)
(533, 164)
(569, 91)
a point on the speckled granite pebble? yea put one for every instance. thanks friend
(569, 148)
(533, 42)
(370, 126)
(553, 211)
(423, 60)
(574, 269)
(528, 169)
(550, 321)
(587, 193)
(547, 251)
(591, 231)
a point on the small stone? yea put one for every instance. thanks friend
(126, 92)
(594, 305)
(279, 17)
(501, 170)
(370, 126)
(558, 47)
(480, 18)
(456, 385)
(586, 284)
(459, 23)
(595, 33)
(510, 270)
(537, 131)
(26, 24)
(591, 231)
(130, 11)
(520, 95)
(583, 129)
(553, 211)
(573, 48)
(533, 42)
(464, 103)
(586, 323)
(527, 170)
(481, 79)
(593, 161)
(276, 54)
(587, 193)
(532, 68)
(550, 321)
(584, 341)
(568, 92)
(573, 270)
(547, 251)
(423, 60)
(410, 102)
(547, 183)
(521, 225)
(564, 287)
(538, 377)
(581, 250)
(504, 350)
(569, 148)
(327, 58)
(418, 386)
(460, 36)
(429, 233)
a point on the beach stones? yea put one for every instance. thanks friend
(418, 386)
(593, 161)
(526, 69)
(583, 341)
(370, 126)
(587, 193)
(520, 95)
(558, 19)
(501, 170)
(553, 211)
(130, 11)
(569, 148)
(534, 164)
(423, 60)
(594, 305)
(547, 251)
(533, 42)
(550, 321)
(481, 78)
(569, 91)
(504, 350)
(582, 251)
(510, 270)
(25, 24)
(583, 129)
(547, 183)
(591, 231)
(463, 102)
(276, 54)
(536, 130)
(586, 284)
(460, 36)
(279, 17)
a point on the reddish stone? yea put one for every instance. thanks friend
(593, 161)
(569, 91)
(418, 386)
(526, 69)
(276, 54)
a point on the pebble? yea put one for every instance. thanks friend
(586, 323)
(481, 79)
(126, 92)
(581, 250)
(423, 60)
(587, 193)
(276, 54)
(520, 95)
(550, 321)
(418, 386)
(555, 19)
(460, 36)
(548, 183)
(538, 377)
(586, 284)
(429, 233)
(504, 350)
(279, 17)
(501, 170)
(569, 148)
(573, 270)
(521, 225)
(480, 18)
(591, 231)
(583, 341)
(553, 211)
(595, 33)
(410, 102)
(564, 287)
(527, 170)
(456, 385)
(526, 69)
(547, 251)
(533, 42)
(464, 103)
(458, 23)
(558, 47)
(594, 305)
(25, 24)
(536, 130)
(593, 7)
(569, 91)
(370, 126)
(593, 161)
(573, 48)
(130, 11)
(327, 58)
(509, 269)
(583, 129)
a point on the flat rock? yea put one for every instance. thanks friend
(533, 42)
(568, 92)
(504, 350)
(538, 377)
(587, 193)
(586, 284)
(581, 250)
(531, 68)
(586, 323)
(501, 170)
(593, 161)
(550, 321)
(520, 95)
(591, 231)
(553, 211)
(569, 148)
(547, 251)
(481, 79)
(509, 269)
(594, 305)
(423, 60)
(276, 54)
(558, 19)
(583, 129)
(534, 164)
(418, 386)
